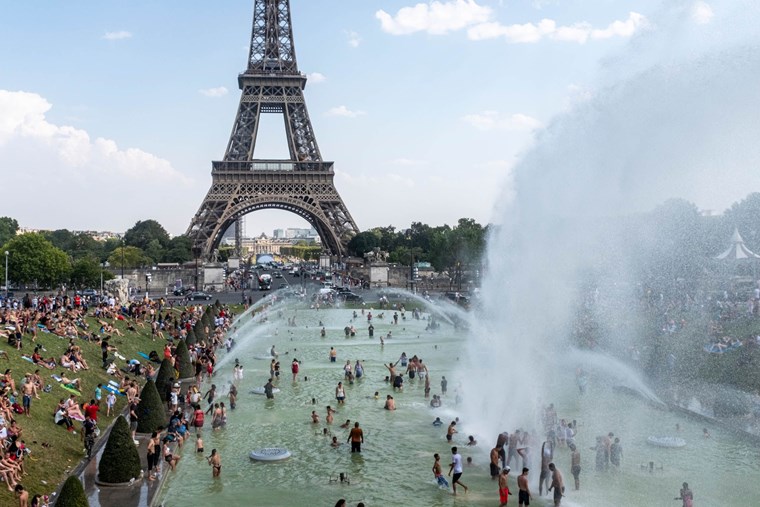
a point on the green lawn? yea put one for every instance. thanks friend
(48, 466)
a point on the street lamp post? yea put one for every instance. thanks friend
(6, 273)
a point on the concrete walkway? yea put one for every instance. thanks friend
(141, 494)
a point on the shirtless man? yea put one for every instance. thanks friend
(356, 437)
(504, 487)
(442, 482)
(575, 465)
(215, 460)
(450, 432)
(558, 484)
(390, 403)
(314, 417)
(22, 495)
(330, 413)
(494, 463)
(523, 496)
(29, 389)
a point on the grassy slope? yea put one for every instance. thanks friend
(51, 464)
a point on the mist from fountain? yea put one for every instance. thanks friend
(674, 116)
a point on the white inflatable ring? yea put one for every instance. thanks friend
(260, 390)
(666, 441)
(270, 454)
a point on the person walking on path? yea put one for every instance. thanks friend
(456, 467)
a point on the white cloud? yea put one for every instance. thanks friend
(547, 28)
(121, 34)
(316, 77)
(344, 112)
(45, 152)
(353, 38)
(701, 13)
(493, 120)
(434, 17)
(219, 91)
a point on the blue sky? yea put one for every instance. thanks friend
(423, 106)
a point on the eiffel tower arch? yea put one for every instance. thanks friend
(241, 183)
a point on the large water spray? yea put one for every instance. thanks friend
(674, 116)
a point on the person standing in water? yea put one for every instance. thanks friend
(215, 460)
(547, 454)
(558, 484)
(504, 487)
(523, 495)
(340, 394)
(686, 495)
(294, 368)
(575, 465)
(356, 437)
(456, 467)
(442, 482)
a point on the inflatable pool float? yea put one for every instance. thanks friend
(270, 454)
(666, 441)
(260, 390)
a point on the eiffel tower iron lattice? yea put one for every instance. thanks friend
(241, 184)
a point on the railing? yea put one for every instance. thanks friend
(270, 165)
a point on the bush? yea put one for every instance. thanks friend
(199, 331)
(186, 369)
(164, 378)
(150, 411)
(120, 461)
(72, 494)
(191, 338)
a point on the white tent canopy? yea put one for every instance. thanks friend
(738, 250)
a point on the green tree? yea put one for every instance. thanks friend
(145, 231)
(164, 378)
(8, 229)
(191, 338)
(72, 494)
(32, 258)
(363, 242)
(179, 250)
(86, 273)
(154, 251)
(150, 410)
(120, 461)
(186, 369)
(132, 257)
(745, 216)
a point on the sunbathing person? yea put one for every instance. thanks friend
(66, 362)
(41, 361)
(71, 384)
(73, 410)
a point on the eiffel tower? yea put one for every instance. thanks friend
(240, 183)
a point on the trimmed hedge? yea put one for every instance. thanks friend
(150, 410)
(186, 369)
(72, 494)
(120, 461)
(164, 378)
(191, 338)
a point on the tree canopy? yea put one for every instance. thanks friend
(33, 259)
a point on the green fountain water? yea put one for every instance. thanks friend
(395, 464)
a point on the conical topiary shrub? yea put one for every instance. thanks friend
(72, 494)
(164, 378)
(150, 410)
(191, 338)
(186, 369)
(200, 331)
(120, 461)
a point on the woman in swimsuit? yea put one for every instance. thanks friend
(215, 460)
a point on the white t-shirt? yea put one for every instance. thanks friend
(456, 459)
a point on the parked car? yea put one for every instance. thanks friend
(195, 296)
(350, 296)
(89, 293)
(181, 291)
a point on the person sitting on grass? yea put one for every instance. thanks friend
(62, 418)
(66, 362)
(37, 358)
(10, 472)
